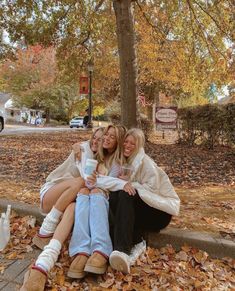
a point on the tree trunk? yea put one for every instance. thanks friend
(128, 61)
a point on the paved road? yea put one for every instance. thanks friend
(11, 129)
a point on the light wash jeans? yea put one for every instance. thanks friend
(91, 226)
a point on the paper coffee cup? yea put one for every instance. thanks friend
(90, 167)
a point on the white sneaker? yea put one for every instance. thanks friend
(120, 261)
(136, 251)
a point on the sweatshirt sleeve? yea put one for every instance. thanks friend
(66, 169)
(110, 183)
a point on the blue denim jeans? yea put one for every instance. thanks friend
(91, 226)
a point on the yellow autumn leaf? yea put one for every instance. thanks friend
(12, 256)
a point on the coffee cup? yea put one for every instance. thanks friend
(126, 170)
(90, 167)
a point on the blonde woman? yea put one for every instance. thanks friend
(91, 242)
(36, 277)
(62, 186)
(148, 205)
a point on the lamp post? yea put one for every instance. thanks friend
(90, 67)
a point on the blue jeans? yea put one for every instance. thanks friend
(91, 226)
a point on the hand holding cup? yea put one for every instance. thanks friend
(126, 172)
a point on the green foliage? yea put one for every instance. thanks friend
(207, 125)
(98, 110)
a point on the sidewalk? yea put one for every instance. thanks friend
(214, 245)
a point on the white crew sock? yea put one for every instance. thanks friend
(50, 222)
(49, 256)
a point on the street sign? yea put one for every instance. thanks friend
(166, 118)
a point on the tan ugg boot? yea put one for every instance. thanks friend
(41, 241)
(34, 280)
(76, 269)
(96, 264)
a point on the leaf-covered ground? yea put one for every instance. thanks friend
(203, 179)
(162, 269)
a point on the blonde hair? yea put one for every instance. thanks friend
(139, 139)
(94, 133)
(116, 156)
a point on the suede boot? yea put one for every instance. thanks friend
(76, 269)
(96, 264)
(34, 280)
(41, 240)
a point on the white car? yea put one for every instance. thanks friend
(2, 121)
(76, 122)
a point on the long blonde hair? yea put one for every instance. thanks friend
(139, 139)
(115, 157)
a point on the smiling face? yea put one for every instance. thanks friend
(96, 140)
(110, 140)
(129, 146)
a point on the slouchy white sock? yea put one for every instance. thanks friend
(50, 222)
(49, 256)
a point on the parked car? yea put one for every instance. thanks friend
(2, 121)
(76, 122)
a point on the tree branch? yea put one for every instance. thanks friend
(200, 25)
(214, 20)
(162, 34)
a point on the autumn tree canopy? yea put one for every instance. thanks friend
(181, 46)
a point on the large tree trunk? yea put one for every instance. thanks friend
(128, 61)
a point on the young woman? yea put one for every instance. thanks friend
(148, 205)
(91, 242)
(62, 186)
(35, 278)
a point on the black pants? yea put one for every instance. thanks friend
(130, 218)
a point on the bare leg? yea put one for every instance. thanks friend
(65, 226)
(35, 278)
(62, 194)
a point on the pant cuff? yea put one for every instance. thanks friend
(102, 254)
(83, 254)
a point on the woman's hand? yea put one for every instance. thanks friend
(92, 179)
(129, 189)
(123, 177)
(77, 150)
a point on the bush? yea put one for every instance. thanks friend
(208, 125)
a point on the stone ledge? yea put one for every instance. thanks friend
(209, 242)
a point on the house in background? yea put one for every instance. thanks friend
(3, 99)
(15, 114)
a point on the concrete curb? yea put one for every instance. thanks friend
(22, 208)
(217, 247)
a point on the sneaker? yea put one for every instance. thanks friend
(41, 240)
(120, 261)
(96, 264)
(34, 280)
(136, 251)
(76, 269)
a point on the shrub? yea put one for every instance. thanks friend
(208, 125)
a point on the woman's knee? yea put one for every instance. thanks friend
(124, 196)
(77, 184)
(84, 191)
(95, 191)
